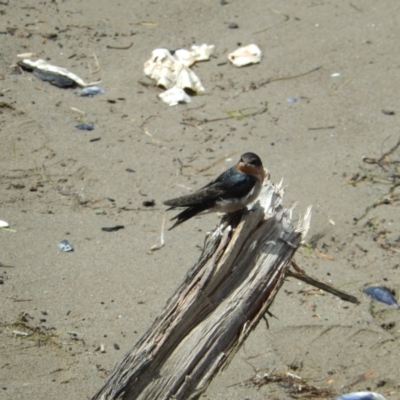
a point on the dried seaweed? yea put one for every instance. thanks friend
(294, 385)
(386, 171)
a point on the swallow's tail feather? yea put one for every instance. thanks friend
(186, 214)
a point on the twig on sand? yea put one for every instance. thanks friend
(162, 242)
(302, 276)
(97, 69)
(295, 385)
(255, 86)
(120, 47)
(232, 115)
(390, 174)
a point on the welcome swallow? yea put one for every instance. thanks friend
(233, 190)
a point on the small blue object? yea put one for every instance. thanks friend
(90, 91)
(64, 245)
(381, 294)
(360, 396)
(85, 126)
(291, 100)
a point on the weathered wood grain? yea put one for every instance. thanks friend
(220, 301)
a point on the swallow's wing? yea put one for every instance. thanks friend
(202, 196)
(230, 184)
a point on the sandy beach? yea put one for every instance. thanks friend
(324, 96)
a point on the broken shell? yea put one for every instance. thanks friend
(25, 55)
(43, 65)
(64, 245)
(174, 96)
(381, 294)
(186, 79)
(185, 57)
(159, 67)
(85, 126)
(90, 91)
(360, 396)
(197, 53)
(4, 224)
(203, 52)
(170, 70)
(250, 54)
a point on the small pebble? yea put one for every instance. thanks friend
(388, 112)
(291, 100)
(85, 126)
(116, 346)
(381, 294)
(64, 245)
(233, 25)
(149, 203)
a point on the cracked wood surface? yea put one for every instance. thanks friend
(220, 301)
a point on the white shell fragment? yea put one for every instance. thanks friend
(203, 52)
(361, 396)
(160, 68)
(187, 79)
(64, 245)
(25, 55)
(174, 96)
(45, 66)
(172, 70)
(4, 224)
(197, 53)
(90, 91)
(250, 54)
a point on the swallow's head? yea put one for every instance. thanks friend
(251, 164)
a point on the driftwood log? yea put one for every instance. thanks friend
(220, 301)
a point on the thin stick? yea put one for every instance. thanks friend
(162, 242)
(302, 276)
(120, 47)
(97, 69)
(285, 78)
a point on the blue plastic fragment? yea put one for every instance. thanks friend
(291, 100)
(360, 396)
(85, 126)
(64, 245)
(90, 91)
(381, 294)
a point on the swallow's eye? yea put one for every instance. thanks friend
(256, 162)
